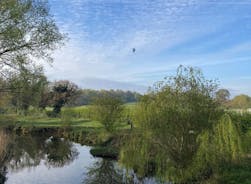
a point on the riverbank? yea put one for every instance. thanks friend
(84, 132)
(110, 145)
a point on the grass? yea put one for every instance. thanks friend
(79, 117)
(45, 122)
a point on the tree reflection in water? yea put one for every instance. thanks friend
(108, 171)
(3, 172)
(18, 152)
(105, 171)
(60, 152)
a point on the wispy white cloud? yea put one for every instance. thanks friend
(103, 32)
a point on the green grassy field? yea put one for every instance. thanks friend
(57, 122)
(70, 116)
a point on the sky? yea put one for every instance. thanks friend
(214, 35)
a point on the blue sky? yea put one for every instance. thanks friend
(214, 35)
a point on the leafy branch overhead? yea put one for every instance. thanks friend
(27, 30)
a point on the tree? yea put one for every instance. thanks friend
(62, 92)
(45, 98)
(171, 117)
(222, 95)
(26, 87)
(5, 97)
(218, 148)
(107, 110)
(27, 31)
(240, 102)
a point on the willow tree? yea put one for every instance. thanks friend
(227, 140)
(27, 31)
(219, 147)
(171, 117)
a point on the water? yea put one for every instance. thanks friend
(74, 172)
(45, 159)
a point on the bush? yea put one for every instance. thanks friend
(243, 121)
(108, 110)
(35, 112)
(235, 173)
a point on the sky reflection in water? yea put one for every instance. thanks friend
(39, 160)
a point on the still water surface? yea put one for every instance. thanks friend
(41, 159)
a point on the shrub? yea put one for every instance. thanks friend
(108, 111)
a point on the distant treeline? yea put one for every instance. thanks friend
(240, 102)
(86, 96)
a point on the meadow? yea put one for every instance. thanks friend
(76, 117)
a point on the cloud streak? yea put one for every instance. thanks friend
(165, 34)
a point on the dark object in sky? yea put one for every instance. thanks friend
(133, 50)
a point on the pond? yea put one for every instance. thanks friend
(47, 159)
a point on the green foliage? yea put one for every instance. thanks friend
(221, 145)
(69, 114)
(170, 118)
(217, 148)
(61, 93)
(107, 110)
(139, 152)
(5, 97)
(36, 113)
(177, 110)
(26, 87)
(66, 116)
(82, 112)
(227, 140)
(183, 135)
(242, 120)
(8, 119)
(235, 173)
(247, 142)
(27, 30)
